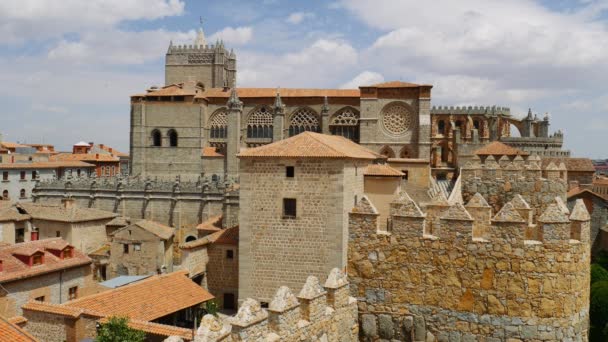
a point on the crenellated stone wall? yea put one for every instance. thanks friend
(317, 313)
(500, 181)
(471, 278)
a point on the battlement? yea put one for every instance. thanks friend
(321, 312)
(201, 49)
(486, 110)
(470, 270)
(513, 168)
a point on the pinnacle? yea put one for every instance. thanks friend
(312, 288)
(508, 213)
(404, 205)
(364, 206)
(579, 212)
(477, 201)
(519, 202)
(440, 199)
(457, 212)
(283, 300)
(553, 214)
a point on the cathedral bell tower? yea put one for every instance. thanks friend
(211, 64)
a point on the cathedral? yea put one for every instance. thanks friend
(199, 121)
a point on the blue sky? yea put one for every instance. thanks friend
(67, 67)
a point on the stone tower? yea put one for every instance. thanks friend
(210, 64)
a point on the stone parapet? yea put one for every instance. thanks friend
(289, 318)
(471, 283)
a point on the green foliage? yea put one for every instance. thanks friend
(212, 308)
(118, 330)
(602, 259)
(598, 273)
(598, 310)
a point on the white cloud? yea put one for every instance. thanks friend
(233, 36)
(297, 17)
(21, 20)
(364, 78)
(323, 63)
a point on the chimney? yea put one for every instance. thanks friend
(96, 155)
(68, 203)
(101, 146)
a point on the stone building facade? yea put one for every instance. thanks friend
(294, 198)
(141, 248)
(471, 275)
(49, 270)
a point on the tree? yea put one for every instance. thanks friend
(117, 330)
(598, 273)
(598, 311)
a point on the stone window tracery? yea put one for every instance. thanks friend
(397, 119)
(304, 119)
(218, 125)
(346, 124)
(259, 123)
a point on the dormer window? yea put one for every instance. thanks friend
(67, 253)
(37, 259)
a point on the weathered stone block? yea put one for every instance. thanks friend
(386, 328)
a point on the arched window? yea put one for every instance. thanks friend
(476, 124)
(387, 152)
(156, 138)
(218, 125)
(259, 123)
(5, 194)
(345, 123)
(441, 127)
(22, 193)
(172, 134)
(302, 120)
(405, 153)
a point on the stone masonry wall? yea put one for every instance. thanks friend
(313, 242)
(317, 313)
(499, 184)
(454, 285)
(174, 203)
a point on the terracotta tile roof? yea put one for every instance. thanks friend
(17, 320)
(119, 221)
(497, 148)
(61, 214)
(574, 192)
(408, 160)
(572, 164)
(110, 150)
(396, 84)
(45, 165)
(172, 90)
(211, 152)
(57, 309)
(212, 224)
(146, 300)
(312, 145)
(228, 236)
(10, 332)
(90, 157)
(157, 329)
(9, 145)
(12, 214)
(383, 170)
(103, 250)
(285, 92)
(15, 269)
(160, 230)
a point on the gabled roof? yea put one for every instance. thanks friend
(508, 213)
(90, 157)
(11, 213)
(575, 192)
(477, 201)
(15, 269)
(160, 230)
(228, 236)
(173, 90)
(284, 92)
(572, 164)
(497, 148)
(212, 224)
(382, 170)
(148, 299)
(61, 214)
(45, 165)
(10, 332)
(211, 152)
(312, 145)
(396, 84)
